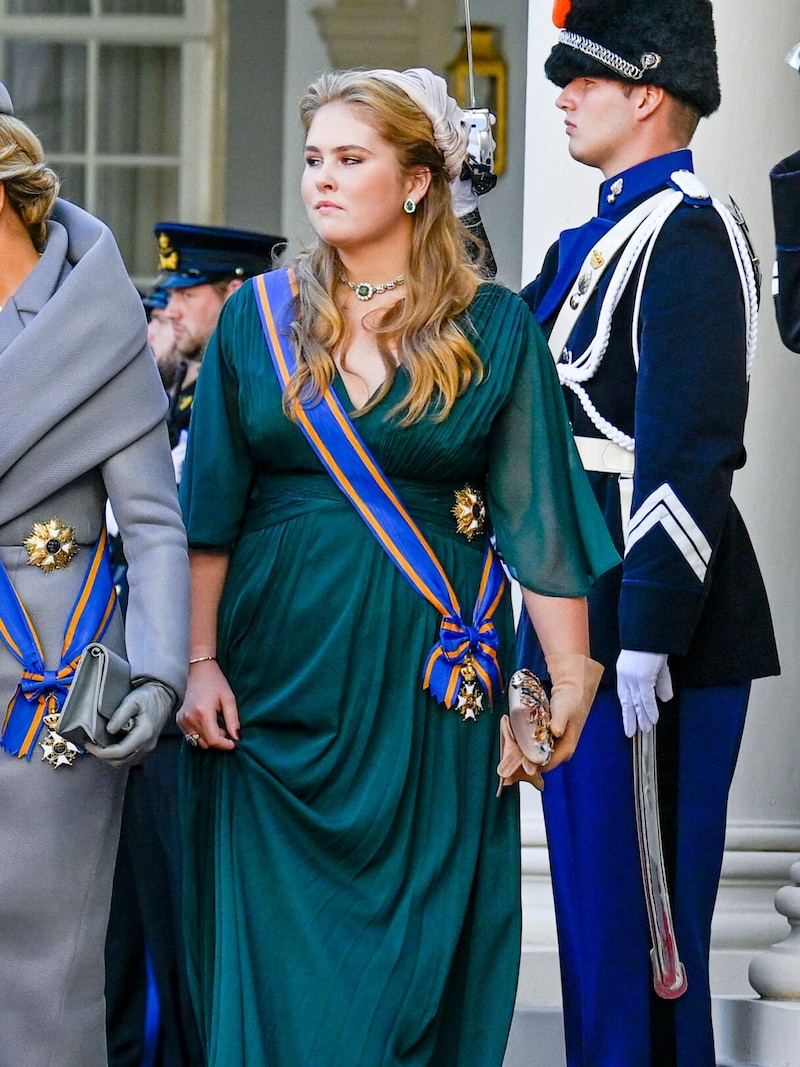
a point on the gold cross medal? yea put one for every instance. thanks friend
(470, 695)
(58, 752)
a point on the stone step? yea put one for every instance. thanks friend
(749, 1033)
(536, 1038)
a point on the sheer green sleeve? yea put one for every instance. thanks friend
(548, 525)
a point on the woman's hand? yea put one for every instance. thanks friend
(562, 626)
(575, 679)
(209, 713)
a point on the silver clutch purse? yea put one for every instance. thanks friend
(529, 712)
(102, 680)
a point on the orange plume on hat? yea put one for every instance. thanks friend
(560, 12)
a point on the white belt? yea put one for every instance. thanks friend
(600, 454)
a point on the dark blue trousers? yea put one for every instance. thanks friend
(612, 1017)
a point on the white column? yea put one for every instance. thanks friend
(758, 124)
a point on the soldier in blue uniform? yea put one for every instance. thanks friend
(651, 312)
(200, 266)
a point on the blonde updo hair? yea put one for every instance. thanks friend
(31, 187)
(440, 281)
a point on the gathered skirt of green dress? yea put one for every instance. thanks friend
(352, 879)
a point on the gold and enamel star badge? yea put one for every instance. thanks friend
(51, 545)
(469, 511)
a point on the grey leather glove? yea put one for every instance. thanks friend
(140, 718)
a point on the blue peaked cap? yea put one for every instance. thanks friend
(197, 255)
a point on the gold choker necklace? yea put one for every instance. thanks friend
(365, 291)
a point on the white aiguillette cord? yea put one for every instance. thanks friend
(592, 270)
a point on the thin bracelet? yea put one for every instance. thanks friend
(201, 659)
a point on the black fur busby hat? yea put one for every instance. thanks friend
(669, 43)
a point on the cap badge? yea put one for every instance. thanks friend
(167, 256)
(613, 60)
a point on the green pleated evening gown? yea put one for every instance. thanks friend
(353, 882)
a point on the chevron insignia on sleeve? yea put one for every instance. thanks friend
(664, 507)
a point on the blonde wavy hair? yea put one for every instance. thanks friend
(31, 187)
(440, 282)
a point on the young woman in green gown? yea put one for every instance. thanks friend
(353, 880)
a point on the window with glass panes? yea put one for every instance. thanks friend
(121, 94)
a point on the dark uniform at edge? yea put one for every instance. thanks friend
(785, 182)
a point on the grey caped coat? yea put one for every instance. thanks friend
(83, 422)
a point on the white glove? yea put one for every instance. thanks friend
(179, 455)
(140, 718)
(462, 190)
(641, 677)
(463, 197)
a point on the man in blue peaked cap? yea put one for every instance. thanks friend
(200, 266)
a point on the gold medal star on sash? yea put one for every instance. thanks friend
(469, 511)
(51, 545)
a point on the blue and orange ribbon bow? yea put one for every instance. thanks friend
(41, 692)
(333, 437)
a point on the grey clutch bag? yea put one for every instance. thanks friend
(102, 679)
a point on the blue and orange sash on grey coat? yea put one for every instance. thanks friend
(463, 653)
(41, 692)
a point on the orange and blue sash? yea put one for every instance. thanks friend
(41, 692)
(351, 465)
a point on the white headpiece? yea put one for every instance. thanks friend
(429, 91)
(6, 107)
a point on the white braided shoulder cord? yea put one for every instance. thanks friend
(585, 366)
(742, 257)
(642, 242)
(747, 276)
